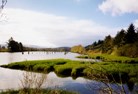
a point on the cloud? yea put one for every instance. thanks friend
(43, 29)
(117, 7)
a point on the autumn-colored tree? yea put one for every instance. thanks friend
(78, 49)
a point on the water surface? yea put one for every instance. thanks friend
(11, 79)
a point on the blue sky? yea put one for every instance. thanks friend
(91, 19)
(77, 9)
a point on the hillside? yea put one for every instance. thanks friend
(125, 43)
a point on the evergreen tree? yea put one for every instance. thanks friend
(20, 46)
(131, 36)
(95, 43)
(137, 35)
(100, 42)
(108, 43)
(119, 38)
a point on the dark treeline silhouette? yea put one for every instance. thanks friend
(125, 43)
(14, 46)
(3, 48)
(58, 49)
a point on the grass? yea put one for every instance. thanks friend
(110, 58)
(42, 91)
(65, 67)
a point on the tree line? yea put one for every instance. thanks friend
(78, 49)
(125, 43)
(14, 46)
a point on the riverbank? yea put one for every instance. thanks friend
(109, 58)
(66, 68)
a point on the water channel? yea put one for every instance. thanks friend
(11, 79)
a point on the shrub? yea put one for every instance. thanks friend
(129, 50)
(63, 70)
(76, 72)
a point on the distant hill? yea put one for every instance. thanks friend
(38, 48)
(125, 43)
(64, 48)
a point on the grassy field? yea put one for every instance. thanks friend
(65, 68)
(110, 58)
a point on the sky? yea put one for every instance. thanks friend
(56, 23)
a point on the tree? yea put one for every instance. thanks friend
(100, 42)
(119, 38)
(129, 50)
(78, 49)
(3, 3)
(95, 43)
(14, 46)
(107, 45)
(131, 36)
(137, 34)
(21, 46)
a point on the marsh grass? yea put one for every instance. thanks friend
(31, 83)
(110, 58)
(107, 79)
(65, 67)
(105, 72)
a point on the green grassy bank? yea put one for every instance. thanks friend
(65, 68)
(110, 58)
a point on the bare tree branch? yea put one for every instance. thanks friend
(3, 3)
(106, 78)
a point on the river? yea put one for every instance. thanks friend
(11, 79)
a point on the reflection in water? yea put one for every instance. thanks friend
(130, 85)
(32, 80)
(10, 79)
(6, 58)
